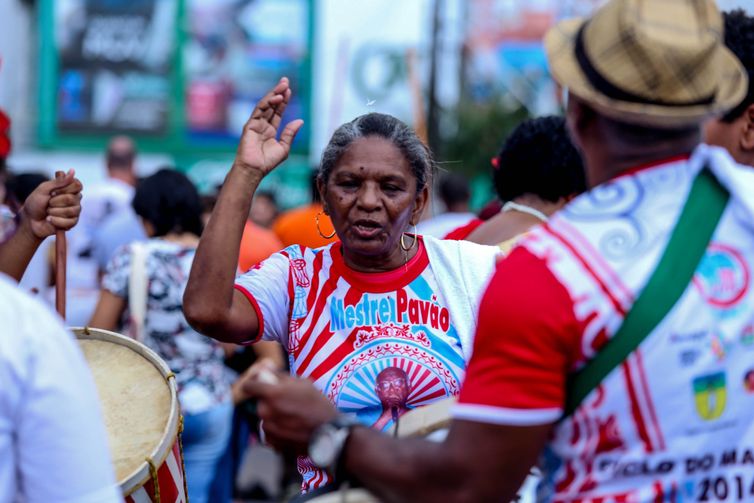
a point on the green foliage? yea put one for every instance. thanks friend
(478, 132)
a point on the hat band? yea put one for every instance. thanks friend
(605, 87)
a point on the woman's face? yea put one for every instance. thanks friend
(371, 198)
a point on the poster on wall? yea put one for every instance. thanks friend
(114, 65)
(235, 51)
(505, 52)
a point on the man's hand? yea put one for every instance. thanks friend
(54, 205)
(259, 151)
(291, 410)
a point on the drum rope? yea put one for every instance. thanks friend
(169, 375)
(155, 482)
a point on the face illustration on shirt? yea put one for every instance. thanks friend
(392, 388)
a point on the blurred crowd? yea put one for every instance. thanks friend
(206, 296)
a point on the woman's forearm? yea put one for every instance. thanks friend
(210, 304)
(209, 293)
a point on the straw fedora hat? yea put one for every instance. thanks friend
(647, 62)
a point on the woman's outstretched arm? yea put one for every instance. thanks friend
(211, 304)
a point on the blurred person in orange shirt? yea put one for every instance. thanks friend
(308, 225)
(264, 209)
(258, 242)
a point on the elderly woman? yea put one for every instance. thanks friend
(377, 298)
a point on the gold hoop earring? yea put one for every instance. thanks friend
(316, 220)
(403, 245)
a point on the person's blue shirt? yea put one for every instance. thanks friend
(120, 229)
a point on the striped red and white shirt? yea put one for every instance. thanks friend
(342, 328)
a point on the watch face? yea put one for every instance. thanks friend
(324, 446)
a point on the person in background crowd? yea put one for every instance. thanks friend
(239, 360)
(378, 297)
(734, 130)
(258, 242)
(642, 77)
(115, 193)
(308, 226)
(170, 208)
(117, 230)
(536, 173)
(208, 204)
(455, 195)
(104, 200)
(488, 211)
(264, 209)
(53, 443)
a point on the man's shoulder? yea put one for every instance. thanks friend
(525, 282)
(30, 324)
(18, 305)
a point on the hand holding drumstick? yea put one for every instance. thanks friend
(53, 206)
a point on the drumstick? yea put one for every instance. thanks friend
(60, 265)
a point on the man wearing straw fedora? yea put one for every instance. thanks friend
(614, 342)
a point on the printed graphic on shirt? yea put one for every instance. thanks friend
(723, 276)
(710, 395)
(747, 336)
(376, 345)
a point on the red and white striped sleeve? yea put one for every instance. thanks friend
(266, 286)
(527, 340)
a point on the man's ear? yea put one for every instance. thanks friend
(747, 136)
(420, 204)
(584, 116)
(579, 117)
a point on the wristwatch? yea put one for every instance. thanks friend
(328, 440)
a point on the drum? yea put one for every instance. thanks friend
(139, 402)
(430, 421)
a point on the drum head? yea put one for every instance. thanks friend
(138, 402)
(423, 421)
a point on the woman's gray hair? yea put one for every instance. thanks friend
(384, 126)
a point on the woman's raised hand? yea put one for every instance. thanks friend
(259, 149)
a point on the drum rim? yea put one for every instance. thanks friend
(141, 475)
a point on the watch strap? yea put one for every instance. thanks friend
(343, 422)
